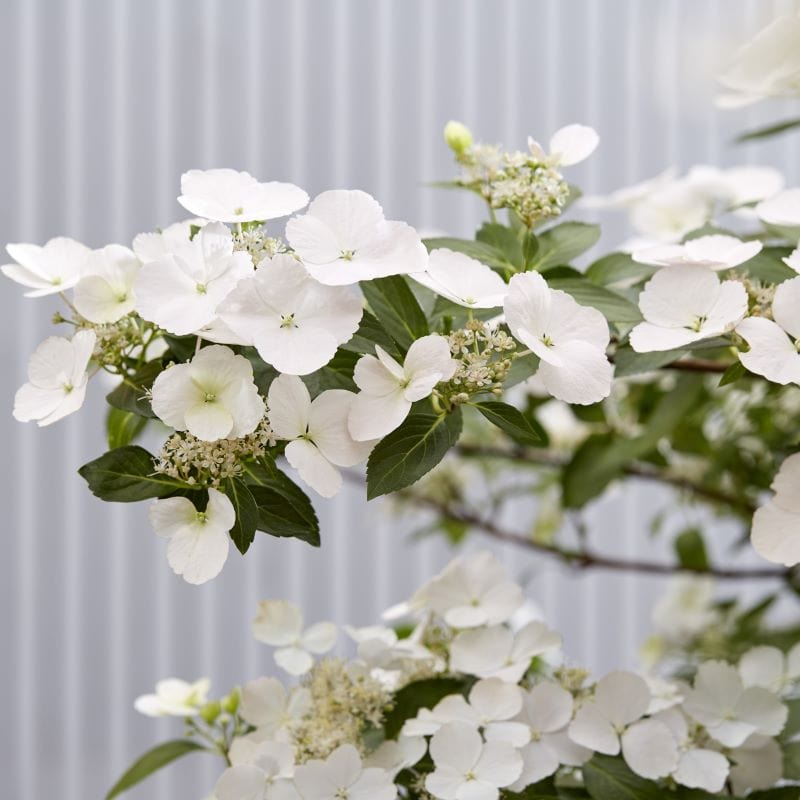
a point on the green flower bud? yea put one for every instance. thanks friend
(230, 703)
(457, 136)
(210, 711)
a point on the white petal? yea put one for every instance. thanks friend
(702, 769)
(209, 421)
(98, 301)
(198, 553)
(649, 338)
(457, 745)
(785, 305)
(763, 710)
(547, 707)
(278, 622)
(243, 782)
(320, 638)
(782, 210)
(585, 376)
(289, 407)
(771, 353)
(776, 534)
(327, 427)
(649, 749)
(482, 651)
(172, 394)
(592, 730)
(675, 297)
(313, 468)
(263, 703)
(622, 697)
(462, 279)
(294, 660)
(494, 699)
(762, 666)
(171, 515)
(722, 251)
(573, 144)
(374, 377)
(500, 764)
(427, 362)
(538, 763)
(372, 417)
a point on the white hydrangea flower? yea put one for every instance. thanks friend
(749, 183)
(389, 388)
(198, 540)
(620, 699)
(342, 775)
(757, 764)
(280, 624)
(395, 756)
(773, 344)
(344, 238)
(269, 764)
(295, 322)
(546, 713)
(490, 707)
(770, 668)
(682, 305)
(495, 652)
(213, 396)
(766, 66)
(568, 145)
(775, 534)
(154, 245)
(174, 698)
(386, 655)
(466, 768)
(462, 280)
(675, 210)
(731, 713)
(226, 195)
(717, 252)
(57, 379)
(570, 339)
(687, 607)
(180, 291)
(271, 709)
(317, 432)
(470, 591)
(697, 767)
(782, 210)
(105, 292)
(48, 269)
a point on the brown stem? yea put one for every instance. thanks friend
(633, 469)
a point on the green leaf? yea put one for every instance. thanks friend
(691, 550)
(628, 362)
(284, 509)
(735, 372)
(152, 761)
(530, 249)
(244, 529)
(127, 475)
(767, 265)
(411, 451)
(504, 241)
(561, 243)
(791, 761)
(614, 307)
(181, 348)
(521, 369)
(416, 695)
(263, 373)
(132, 395)
(336, 374)
(609, 778)
(396, 308)
(370, 332)
(122, 427)
(480, 251)
(618, 269)
(520, 428)
(769, 130)
(779, 793)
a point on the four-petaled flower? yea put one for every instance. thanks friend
(48, 269)
(462, 280)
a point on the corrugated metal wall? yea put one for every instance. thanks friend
(105, 103)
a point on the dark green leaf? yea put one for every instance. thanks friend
(263, 373)
(152, 761)
(127, 475)
(769, 130)
(734, 372)
(521, 369)
(779, 793)
(520, 428)
(283, 507)
(408, 453)
(122, 427)
(628, 362)
(614, 307)
(530, 249)
(791, 761)
(396, 308)
(609, 778)
(244, 529)
(181, 348)
(618, 269)
(369, 333)
(480, 251)
(416, 695)
(691, 550)
(132, 395)
(561, 243)
(504, 240)
(336, 374)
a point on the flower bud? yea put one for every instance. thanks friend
(457, 136)
(210, 711)
(230, 703)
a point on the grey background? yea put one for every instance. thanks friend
(104, 104)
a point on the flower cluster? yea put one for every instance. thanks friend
(498, 710)
(528, 184)
(485, 356)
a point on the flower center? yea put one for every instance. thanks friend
(209, 397)
(347, 255)
(56, 281)
(470, 776)
(121, 298)
(238, 211)
(698, 323)
(201, 288)
(546, 340)
(287, 321)
(202, 517)
(67, 387)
